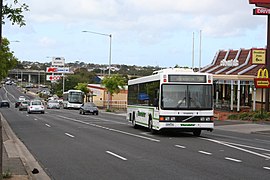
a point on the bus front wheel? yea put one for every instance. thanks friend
(197, 132)
(150, 126)
(133, 121)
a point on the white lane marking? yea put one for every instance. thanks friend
(35, 119)
(110, 129)
(232, 159)
(268, 168)
(126, 133)
(179, 146)
(70, 135)
(106, 120)
(262, 140)
(74, 120)
(48, 125)
(251, 147)
(238, 148)
(116, 155)
(204, 152)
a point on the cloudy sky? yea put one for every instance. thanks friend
(144, 32)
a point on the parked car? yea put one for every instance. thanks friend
(4, 103)
(53, 104)
(23, 105)
(89, 108)
(35, 106)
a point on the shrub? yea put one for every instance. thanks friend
(233, 116)
(7, 174)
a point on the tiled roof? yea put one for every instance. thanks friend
(233, 62)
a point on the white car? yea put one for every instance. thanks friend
(35, 106)
(22, 98)
(53, 104)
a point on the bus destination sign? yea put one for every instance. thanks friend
(188, 78)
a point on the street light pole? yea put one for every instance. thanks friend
(110, 58)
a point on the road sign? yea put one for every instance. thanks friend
(258, 56)
(53, 77)
(260, 3)
(57, 70)
(262, 80)
(261, 11)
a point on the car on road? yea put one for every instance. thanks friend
(4, 103)
(53, 104)
(35, 106)
(22, 98)
(17, 103)
(23, 105)
(88, 108)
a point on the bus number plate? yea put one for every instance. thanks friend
(169, 124)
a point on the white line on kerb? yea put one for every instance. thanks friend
(179, 146)
(120, 157)
(268, 168)
(69, 135)
(204, 152)
(232, 159)
(48, 125)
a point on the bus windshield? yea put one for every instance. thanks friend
(75, 97)
(186, 96)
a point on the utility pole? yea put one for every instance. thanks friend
(1, 137)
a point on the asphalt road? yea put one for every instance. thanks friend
(72, 146)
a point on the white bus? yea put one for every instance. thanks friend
(172, 99)
(73, 99)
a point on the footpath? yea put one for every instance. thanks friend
(17, 160)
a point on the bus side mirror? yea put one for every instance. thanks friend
(155, 102)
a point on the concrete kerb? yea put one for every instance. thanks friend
(15, 148)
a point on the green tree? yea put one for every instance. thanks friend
(13, 11)
(7, 59)
(113, 84)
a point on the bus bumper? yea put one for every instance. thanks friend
(187, 125)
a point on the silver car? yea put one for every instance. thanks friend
(35, 106)
(23, 105)
(53, 104)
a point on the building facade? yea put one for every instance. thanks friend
(234, 72)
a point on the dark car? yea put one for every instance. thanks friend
(17, 103)
(89, 108)
(4, 103)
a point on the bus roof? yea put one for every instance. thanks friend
(157, 75)
(72, 90)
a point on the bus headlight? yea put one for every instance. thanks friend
(207, 119)
(202, 118)
(167, 118)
